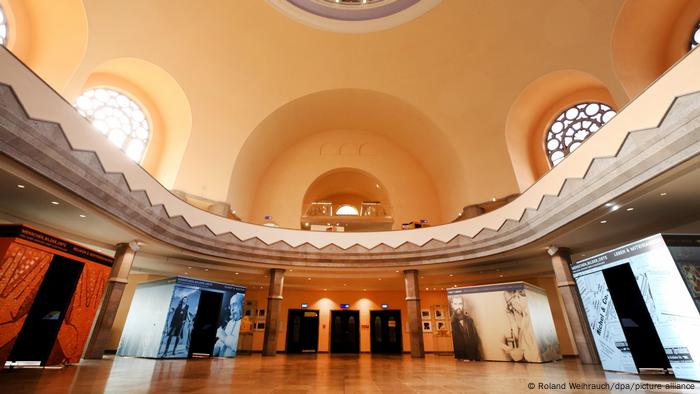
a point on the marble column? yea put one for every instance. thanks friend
(274, 309)
(118, 278)
(413, 306)
(561, 262)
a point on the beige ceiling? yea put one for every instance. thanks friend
(440, 86)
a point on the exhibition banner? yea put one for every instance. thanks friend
(497, 322)
(663, 289)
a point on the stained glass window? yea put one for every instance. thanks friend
(118, 118)
(573, 126)
(3, 27)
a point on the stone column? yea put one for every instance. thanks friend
(413, 306)
(118, 278)
(561, 261)
(274, 309)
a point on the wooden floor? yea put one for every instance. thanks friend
(313, 374)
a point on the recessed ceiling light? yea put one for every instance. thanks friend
(663, 194)
(325, 289)
(427, 288)
(55, 202)
(500, 276)
(291, 270)
(422, 277)
(236, 273)
(615, 208)
(187, 273)
(206, 269)
(396, 271)
(454, 285)
(451, 275)
(364, 289)
(20, 186)
(308, 278)
(345, 284)
(609, 204)
(493, 199)
(82, 216)
(189, 268)
(630, 209)
(603, 221)
(379, 278)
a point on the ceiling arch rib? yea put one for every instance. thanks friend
(350, 109)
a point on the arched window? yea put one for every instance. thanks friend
(347, 210)
(119, 118)
(3, 27)
(572, 127)
(695, 38)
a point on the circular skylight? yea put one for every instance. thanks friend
(118, 118)
(573, 126)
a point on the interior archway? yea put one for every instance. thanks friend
(361, 121)
(641, 55)
(347, 197)
(166, 103)
(535, 108)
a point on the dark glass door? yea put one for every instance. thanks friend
(385, 331)
(637, 325)
(40, 329)
(205, 323)
(302, 331)
(345, 331)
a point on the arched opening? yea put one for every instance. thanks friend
(166, 104)
(346, 199)
(649, 37)
(536, 109)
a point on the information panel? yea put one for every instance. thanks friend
(670, 305)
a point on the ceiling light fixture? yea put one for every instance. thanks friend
(55, 202)
(663, 194)
(20, 186)
(82, 216)
(603, 221)
(609, 204)
(236, 273)
(451, 275)
(630, 209)
(308, 278)
(615, 208)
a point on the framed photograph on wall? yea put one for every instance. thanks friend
(261, 312)
(439, 313)
(427, 326)
(260, 325)
(425, 314)
(440, 325)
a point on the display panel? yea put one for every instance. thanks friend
(669, 304)
(175, 342)
(146, 320)
(495, 322)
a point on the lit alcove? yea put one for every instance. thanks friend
(117, 117)
(347, 210)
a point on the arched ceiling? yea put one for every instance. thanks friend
(344, 109)
(453, 72)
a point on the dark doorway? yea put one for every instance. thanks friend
(345, 331)
(642, 338)
(40, 329)
(302, 331)
(205, 323)
(385, 331)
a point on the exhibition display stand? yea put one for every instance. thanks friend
(183, 317)
(50, 291)
(502, 322)
(642, 302)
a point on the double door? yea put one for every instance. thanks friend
(302, 331)
(385, 331)
(345, 331)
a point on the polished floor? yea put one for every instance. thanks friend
(321, 373)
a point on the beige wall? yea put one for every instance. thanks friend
(281, 189)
